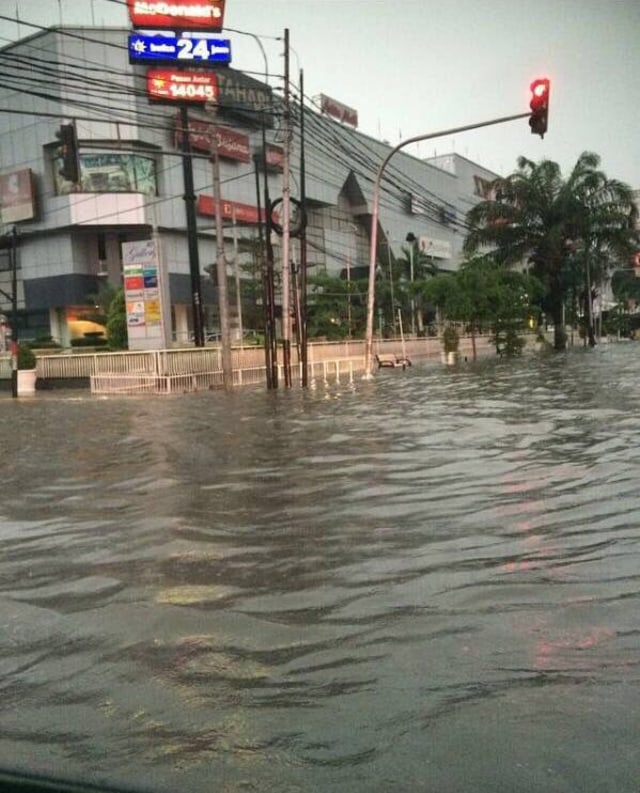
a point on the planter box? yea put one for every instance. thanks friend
(450, 358)
(26, 382)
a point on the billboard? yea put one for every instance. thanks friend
(202, 49)
(17, 196)
(343, 113)
(170, 85)
(439, 249)
(177, 14)
(231, 145)
(245, 97)
(231, 210)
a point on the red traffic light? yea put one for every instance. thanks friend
(539, 88)
(539, 106)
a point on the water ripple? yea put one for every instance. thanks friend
(426, 581)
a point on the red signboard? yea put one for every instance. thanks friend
(339, 111)
(232, 145)
(274, 157)
(243, 213)
(177, 14)
(177, 86)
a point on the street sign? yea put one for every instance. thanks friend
(183, 48)
(169, 85)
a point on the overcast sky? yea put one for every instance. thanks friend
(411, 67)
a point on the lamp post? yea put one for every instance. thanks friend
(368, 361)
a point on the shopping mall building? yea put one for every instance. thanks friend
(131, 184)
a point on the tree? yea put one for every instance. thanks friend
(485, 295)
(415, 267)
(337, 307)
(560, 228)
(117, 322)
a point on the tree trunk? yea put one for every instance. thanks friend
(556, 307)
(588, 319)
(559, 332)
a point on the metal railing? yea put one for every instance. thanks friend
(176, 370)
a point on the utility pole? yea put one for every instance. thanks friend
(302, 322)
(236, 269)
(192, 229)
(286, 214)
(266, 260)
(221, 263)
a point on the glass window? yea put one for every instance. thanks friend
(111, 172)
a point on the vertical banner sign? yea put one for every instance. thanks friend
(143, 296)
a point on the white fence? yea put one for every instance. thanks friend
(197, 368)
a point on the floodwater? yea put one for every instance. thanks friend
(429, 582)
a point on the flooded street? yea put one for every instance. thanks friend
(429, 582)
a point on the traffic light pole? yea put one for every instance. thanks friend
(192, 229)
(368, 359)
(13, 299)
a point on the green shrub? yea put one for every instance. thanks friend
(450, 339)
(26, 357)
(97, 341)
(117, 322)
(46, 343)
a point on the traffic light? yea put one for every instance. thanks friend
(539, 106)
(69, 152)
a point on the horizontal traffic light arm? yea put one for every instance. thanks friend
(373, 237)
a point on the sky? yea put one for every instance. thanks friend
(414, 67)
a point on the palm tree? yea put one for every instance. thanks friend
(415, 267)
(556, 227)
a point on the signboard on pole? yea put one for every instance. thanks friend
(170, 85)
(177, 14)
(202, 49)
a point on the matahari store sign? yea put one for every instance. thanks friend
(231, 210)
(177, 14)
(231, 145)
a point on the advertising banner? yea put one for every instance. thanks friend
(439, 249)
(231, 145)
(337, 110)
(17, 198)
(245, 97)
(243, 213)
(143, 295)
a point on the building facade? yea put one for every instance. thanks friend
(131, 185)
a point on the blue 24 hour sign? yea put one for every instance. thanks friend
(185, 48)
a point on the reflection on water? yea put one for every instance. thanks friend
(427, 582)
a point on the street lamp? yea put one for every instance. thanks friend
(371, 293)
